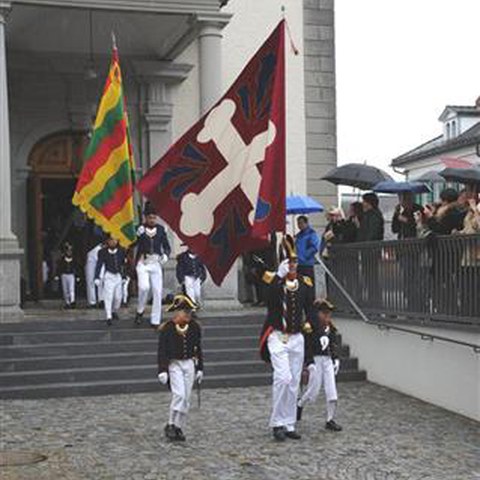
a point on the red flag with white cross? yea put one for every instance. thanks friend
(221, 186)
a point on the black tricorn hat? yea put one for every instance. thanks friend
(182, 302)
(148, 209)
(287, 249)
(323, 305)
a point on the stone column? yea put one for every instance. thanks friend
(210, 59)
(10, 253)
(158, 117)
(211, 89)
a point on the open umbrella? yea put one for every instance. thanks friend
(462, 175)
(390, 186)
(429, 177)
(356, 175)
(298, 204)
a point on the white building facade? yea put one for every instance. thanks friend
(177, 57)
(458, 144)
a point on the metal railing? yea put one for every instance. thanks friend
(436, 279)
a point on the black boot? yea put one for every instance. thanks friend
(333, 426)
(138, 318)
(299, 412)
(179, 434)
(293, 435)
(170, 432)
(73, 305)
(279, 434)
(109, 322)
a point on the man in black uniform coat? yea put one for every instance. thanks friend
(289, 301)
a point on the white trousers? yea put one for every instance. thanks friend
(90, 266)
(181, 374)
(193, 288)
(287, 361)
(150, 277)
(68, 287)
(323, 375)
(112, 292)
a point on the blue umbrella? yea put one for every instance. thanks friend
(390, 186)
(297, 204)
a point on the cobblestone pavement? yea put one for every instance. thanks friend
(387, 436)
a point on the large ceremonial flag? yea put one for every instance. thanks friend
(104, 190)
(221, 186)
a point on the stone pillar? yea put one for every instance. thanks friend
(320, 101)
(210, 59)
(157, 116)
(10, 253)
(211, 89)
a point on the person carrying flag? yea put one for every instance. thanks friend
(191, 273)
(153, 251)
(289, 305)
(180, 362)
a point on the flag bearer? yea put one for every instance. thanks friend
(321, 345)
(111, 258)
(180, 362)
(191, 273)
(153, 250)
(67, 273)
(289, 297)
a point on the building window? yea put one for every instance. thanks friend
(448, 131)
(454, 129)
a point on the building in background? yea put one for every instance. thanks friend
(458, 144)
(177, 56)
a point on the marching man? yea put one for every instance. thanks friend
(282, 341)
(111, 260)
(153, 250)
(321, 345)
(191, 273)
(180, 362)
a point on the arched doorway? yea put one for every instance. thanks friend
(55, 163)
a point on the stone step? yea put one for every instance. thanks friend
(144, 367)
(121, 372)
(27, 391)
(85, 357)
(112, 334)
(79, 324)
(78, 348)
(127, 359)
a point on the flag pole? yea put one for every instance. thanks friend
(114, 40)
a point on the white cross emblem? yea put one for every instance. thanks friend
(198, 209)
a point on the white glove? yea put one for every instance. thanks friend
(336, 366)
(324, 342)
(140, 230)
(163, 259)
(199, 376)
(163, 378)
(283, 268)
(97, 282)
(312, 368)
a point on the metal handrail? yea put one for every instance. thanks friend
(389, 326)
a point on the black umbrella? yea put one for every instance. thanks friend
(357, 175)
(462, 175)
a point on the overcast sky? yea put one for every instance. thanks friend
(399, 62)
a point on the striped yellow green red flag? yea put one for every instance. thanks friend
(104, 190)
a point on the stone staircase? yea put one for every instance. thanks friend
(40, 359)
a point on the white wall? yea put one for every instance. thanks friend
(251, 24)
(437, 372)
